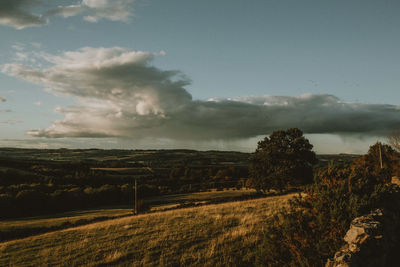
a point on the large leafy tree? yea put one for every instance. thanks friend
(282, 159)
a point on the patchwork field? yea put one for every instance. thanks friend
(211, 235)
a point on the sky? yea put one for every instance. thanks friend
(208, 75)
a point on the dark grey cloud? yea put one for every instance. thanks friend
(18, 14)
(120, 94)
(23, 13)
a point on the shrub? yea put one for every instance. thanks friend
(313, 226)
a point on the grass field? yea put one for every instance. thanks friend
(24, 227)
(18, 228)
(211, 235)
(212, 196)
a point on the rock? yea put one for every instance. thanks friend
(366, 243)
(364, 227)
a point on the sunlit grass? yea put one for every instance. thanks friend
(23, 227)
(220, 234)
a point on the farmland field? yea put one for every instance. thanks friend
(211, 235)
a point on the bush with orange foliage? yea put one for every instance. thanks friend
(312, 228)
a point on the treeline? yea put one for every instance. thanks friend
(42, 186)
(36, 199)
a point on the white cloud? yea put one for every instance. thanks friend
(67, 11)
(115, 10)
(36, 44)
(18, 46)
(95, 10)
(21, 56)
(119, 93)
(10, 122)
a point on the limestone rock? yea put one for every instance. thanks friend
(366, 244)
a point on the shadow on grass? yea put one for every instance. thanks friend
(17, 233)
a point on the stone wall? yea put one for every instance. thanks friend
(372, 240)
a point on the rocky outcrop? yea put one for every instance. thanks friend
(371, 241)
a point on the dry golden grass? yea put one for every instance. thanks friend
(60, 218)
(212, 235)
(23, 227)
(211, 195)
(28, 226)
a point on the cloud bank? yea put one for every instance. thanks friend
(119, 93)
(23, 13)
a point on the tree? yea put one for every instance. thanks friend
(282, 159)
(376, 167)
(380, 156)
(394, 140)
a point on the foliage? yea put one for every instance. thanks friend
(367, 171)
(394, 140)
(377, 151)
(282, 159)
(312, 228)
(30, 187)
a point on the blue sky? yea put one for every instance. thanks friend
(274, 58)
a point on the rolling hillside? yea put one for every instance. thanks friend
(212, 235)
